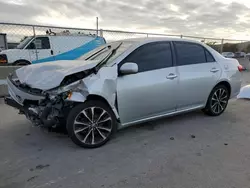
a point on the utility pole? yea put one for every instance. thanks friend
(221, 46)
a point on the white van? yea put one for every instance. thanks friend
(44, 48)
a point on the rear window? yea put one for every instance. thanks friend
(189, 53)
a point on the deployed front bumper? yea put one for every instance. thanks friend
(20, 95)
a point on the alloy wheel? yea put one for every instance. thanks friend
(93, 125)
(219, 100)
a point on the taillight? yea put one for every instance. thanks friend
(241, 68)
(3, 58)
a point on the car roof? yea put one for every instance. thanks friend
(58, 35)
(157, 39)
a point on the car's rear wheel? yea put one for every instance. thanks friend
(217, 101)
(91, 124)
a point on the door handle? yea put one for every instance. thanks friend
(214, 70)
(51, 52)
(171, 76)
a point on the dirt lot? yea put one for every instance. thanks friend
(190, 151)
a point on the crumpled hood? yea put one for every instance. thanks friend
(49, 75)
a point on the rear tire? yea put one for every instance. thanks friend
(217, 101)
(91, 124)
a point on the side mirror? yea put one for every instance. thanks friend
(128, 68)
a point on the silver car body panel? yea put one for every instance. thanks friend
(160, 116)
(77, 97)
(145, 95)
(150, 94)
(102, 84)
(198, 77)
(230, 74)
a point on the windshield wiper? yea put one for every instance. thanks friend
(107, 57)
(92, 55)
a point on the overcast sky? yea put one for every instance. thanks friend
(211, 18)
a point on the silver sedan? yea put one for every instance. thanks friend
(124, 83)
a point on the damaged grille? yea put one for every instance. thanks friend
(30, 90)
(25, 87)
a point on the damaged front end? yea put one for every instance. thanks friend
(50, 107)
(45, 113)
(41, 108)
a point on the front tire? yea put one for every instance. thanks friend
(91, 124)
(21, 63)
(217, 101)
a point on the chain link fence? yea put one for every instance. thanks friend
(20, 36)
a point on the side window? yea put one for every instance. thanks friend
(189, 53)
(209, 57)
(151, 56)
(40, 43)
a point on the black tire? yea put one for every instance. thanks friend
(91, 127)
(21, 63)
(217, 107)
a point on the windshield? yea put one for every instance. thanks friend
(101, 52)
(22, 44)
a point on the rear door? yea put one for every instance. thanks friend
(198, 73)
(151, 91)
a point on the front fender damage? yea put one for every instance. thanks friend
(54, 108)
(244, 92)
(102, 84)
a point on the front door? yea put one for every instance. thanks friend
(40, 50)
(151, 91)
(198, 73)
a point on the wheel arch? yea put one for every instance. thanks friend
(101, 98)
(22, 60)
(226, 84)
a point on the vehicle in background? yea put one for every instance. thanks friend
(3, 42)
(124, 83)
(239, 54)
(228, 54)
(45, 48)
(12, 45)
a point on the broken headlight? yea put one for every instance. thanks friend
(64, 89)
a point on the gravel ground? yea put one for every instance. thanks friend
(190, 150)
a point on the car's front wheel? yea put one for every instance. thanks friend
(91, 124)
(217, 101)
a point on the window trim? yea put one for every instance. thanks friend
(151, 42)
(192, 43)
